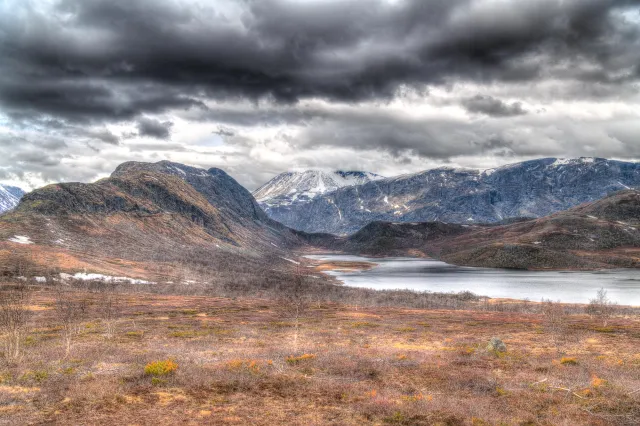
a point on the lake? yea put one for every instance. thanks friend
(622, 285)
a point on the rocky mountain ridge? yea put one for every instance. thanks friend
(600, 234)
(160, 221)
(300, 187)
(9, 197)
(533, 188)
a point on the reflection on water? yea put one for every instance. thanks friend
(622, 285)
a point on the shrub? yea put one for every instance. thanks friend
(295, 360)
(501, 391)
(37, 375)
(68, 370)
(160, 368)
(248, 365)
(156, 381)
(186, 334)
(413, 398)
(364, 324)
(604, 329)
(568, 361)
(597, 382)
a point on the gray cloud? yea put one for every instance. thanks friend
(483, 104)
(96, 58)
(154, 128)
(223, 131)
(281, 80)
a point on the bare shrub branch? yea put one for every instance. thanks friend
(14, 319)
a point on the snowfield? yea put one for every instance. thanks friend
(100, 277)
(291, 187)
(20, 239)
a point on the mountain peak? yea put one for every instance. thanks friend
(533, 188)
(294, 187)
(215, 184)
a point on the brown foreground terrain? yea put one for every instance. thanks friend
(250, 361)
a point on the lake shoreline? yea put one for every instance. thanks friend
(572, 287)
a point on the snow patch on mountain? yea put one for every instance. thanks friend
(20, 239)
(300, 187)
(533, 188)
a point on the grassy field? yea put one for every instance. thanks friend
(205, 360)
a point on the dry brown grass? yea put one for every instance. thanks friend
(384, 366)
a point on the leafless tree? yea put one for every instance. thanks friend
(294, 303)
(108, 307)
(71, 309)
(14, 319)
(555, 321)
(601, 307)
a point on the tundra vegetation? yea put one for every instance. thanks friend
(302, 353)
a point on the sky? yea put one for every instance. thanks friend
(258, 87)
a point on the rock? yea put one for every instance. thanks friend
(496, 345)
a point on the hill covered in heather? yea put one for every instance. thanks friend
(161, 221)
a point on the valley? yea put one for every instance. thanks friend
(320, 213)
(165, 294)
(169, 223)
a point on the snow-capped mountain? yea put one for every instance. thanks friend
(533, 188)
(300, 187)
(9, 197)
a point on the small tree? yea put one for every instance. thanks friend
(555, 320)
(294, 303)
(14, 319)
(109, 308)
(71, 309)
(601, 307)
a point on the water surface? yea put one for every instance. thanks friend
(622, 285)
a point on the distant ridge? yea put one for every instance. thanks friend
(9, 197)
(533, 188)
(600, 234)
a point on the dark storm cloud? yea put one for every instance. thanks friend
(100, 59)
(154, 128)
(484, 104)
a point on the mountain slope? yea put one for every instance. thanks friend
(604, 233)
(9, 197)
(159, 221)
(600, 234)
(300, 187)
(529, 189)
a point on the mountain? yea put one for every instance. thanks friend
(300, 187)
(9, 197)
(161, 221)
(529, 189)
(601, 234)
